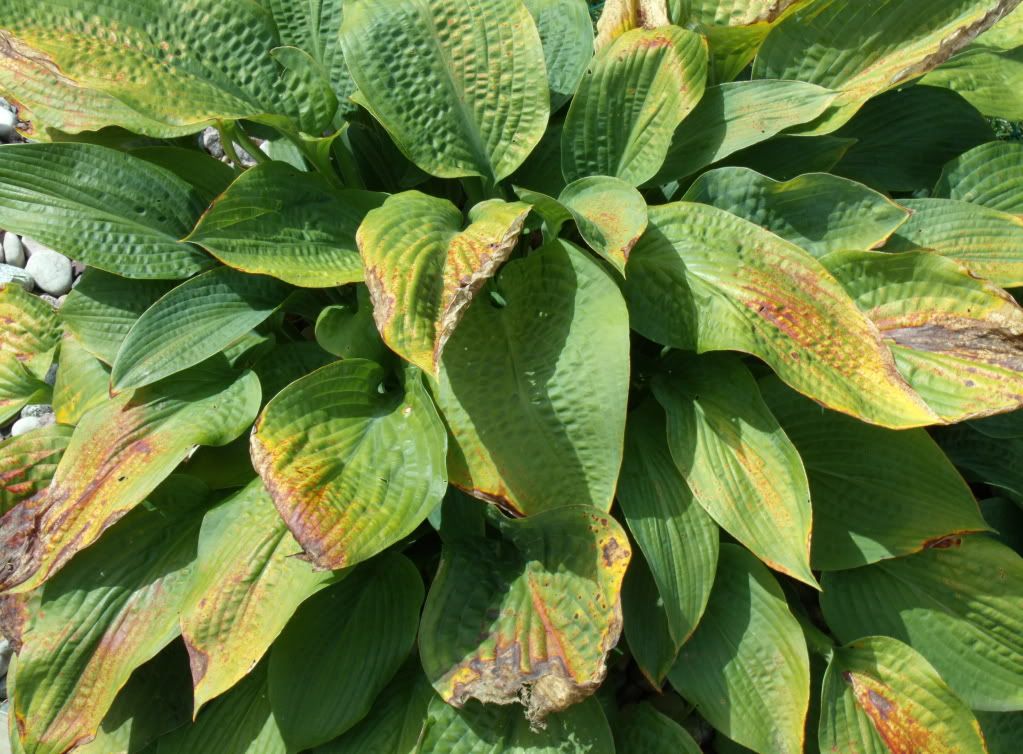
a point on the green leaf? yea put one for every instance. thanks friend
(566, 34)
(959, 604)
(724, 122)
(207, 175)
(984, 241)
(630, 102)
(880, 690)
(989, 79)
(897, 146)
(353, 463)
(991, 460)
(303, 75)
(163, 62)
(423, 269)
(69, 195)
(864, 49)
(876, 493)
(746, 668)
(239, 722)
(786, 157)
(647, 632)
(956, 339)
(102, 308)
(678, 538)
(493, 729)
(28, 461)
(988, 175)
(703, 279)
(1002, 730)
(196, 320)
(118, 454)
(472, 100)
(31, 333)
(247, 585)
(738, 462)
(82, 382)
(817, 212)
(530, 617)
(110, 610)
(279, 221)
(509, 384)
(341, 649)
(1006, 519)
(647, 731)
(396, 721)
(348, 330)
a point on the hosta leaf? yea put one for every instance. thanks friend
(645, 615)
(118, 454)
(876, 493)
(18, 388)
(897, 146)
(288, 362)
(746, 668)
(348, 330)
(239, 722)
(1006, 519)
(817, 212)
(987, 175)
(956, 339)
(69, 195)
(984, 241)
(112, 609)
(28, 341)
(1005, 34)
(193, 322)
(167, 67)
(960, 604)
(206, 174)
(678, 538)
(494, 729)
(880, 690)
(566, 33)
(620, 16)
(82, 382)
(102, 308)
(863, 49)
(786, 157)
(353, 464)
(738, 462)
(989, 79)
(341, 649)
(530, 617)
(993, 461)
(316, 103)
(27, 463)
(276, 220)
(703, 279)
(510, 384)
(247, 584)
(734, 116)
(646, 731)
(469, 100)
(396, 721)
(630, 102)
(1002, 730)
(423, 269)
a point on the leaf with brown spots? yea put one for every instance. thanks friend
(83, 382)
(246, 586)
(118, 454)
(530, 617)
(620, 16)
(29, 334)
(27, 463)
(109, 611)
(423, 269)
(352, 462)
(705, 280)
(881, 696)
(957, 340)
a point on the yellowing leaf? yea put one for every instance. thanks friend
(620, 16)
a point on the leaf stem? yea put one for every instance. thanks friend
(227, 143)
(246, 143)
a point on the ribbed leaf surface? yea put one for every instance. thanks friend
(27, 463)
(990, 175)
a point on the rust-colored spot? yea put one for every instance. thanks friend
(943, 543)
(613, 553)
(897, 727)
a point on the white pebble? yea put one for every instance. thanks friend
(32, 246)
(8, 122)
(37, 409)
(10, 273)
(50, 271)
(26, 424)
(14, 252)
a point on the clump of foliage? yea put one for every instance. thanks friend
(542, 388)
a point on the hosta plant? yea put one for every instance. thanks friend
(542, 387)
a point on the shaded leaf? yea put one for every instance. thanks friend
(341, 649)
(206, 174)
(959, 604)
(746, 668)
(566, 33)
(118, 454)
(1002, 730)
(423, 269)
(646, 627)
(647, 731)
(530, 617)
(353, 464)
(786, 157)
(630, 102)
(509, 385)
(454, 102)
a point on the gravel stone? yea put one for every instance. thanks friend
(26, 424)
(37, 409)
(14, 252)
(8, 122)
(11, 274)
(50, 270)
(211, 143)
